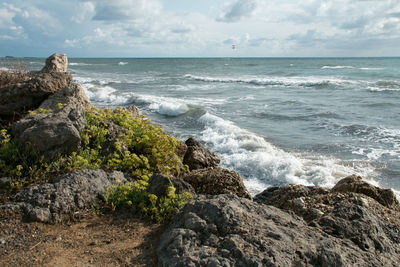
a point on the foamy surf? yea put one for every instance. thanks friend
(162, 105)
(262, 164)
(274, 81)
(337, 67)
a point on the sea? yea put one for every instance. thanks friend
(276, 121)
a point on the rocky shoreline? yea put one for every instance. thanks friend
(352, 224)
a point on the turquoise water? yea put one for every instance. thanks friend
(274, 120)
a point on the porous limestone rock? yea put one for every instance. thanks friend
(56, 63)
(51, 202)
(216, 180)
(226, 230)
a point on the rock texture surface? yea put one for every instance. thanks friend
(56, 63)
(68, 193)
(17, 98)
(217, 180)
(199, 157)
(352, 210)
(355, 184)
(52, 134)
(226, 230)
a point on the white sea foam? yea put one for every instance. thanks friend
(78, 64)
(107, 95)
(337, 67)
(262, 164)
(371, 68)
(163, 105)
(385, 85)
(121, 63)
(315, 81)
(170, 108)
(4, 68)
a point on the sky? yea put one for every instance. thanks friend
(203, 28)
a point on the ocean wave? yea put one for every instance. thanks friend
(79, 64)
(107, 95)
(308, 117)
(4, 68)
(337, 67)
(371, 68)
(258, 160)
(162, 105)
(317, 82)
(170, 109)
(378, 142)
(121, 63)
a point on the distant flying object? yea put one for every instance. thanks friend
(233, 47)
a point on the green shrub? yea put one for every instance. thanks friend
(140, 150)
(133, 195)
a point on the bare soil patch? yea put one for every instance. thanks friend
(118, 239)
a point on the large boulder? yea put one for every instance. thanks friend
(52, 134)
(226, 230)
(199, 157)
(71, 94)
(56, 63)
(68, 193)
(343, 213)
(216, 180)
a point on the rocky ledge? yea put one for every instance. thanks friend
(352, 224)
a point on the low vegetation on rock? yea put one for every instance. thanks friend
(137, 148)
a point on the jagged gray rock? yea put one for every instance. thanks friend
(199, 157)
(70, 192)
(349, 211)
(215, 181)
(226, 230)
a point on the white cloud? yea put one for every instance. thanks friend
(83, 12)
(147, 28)
(120, 10)
(238, 10)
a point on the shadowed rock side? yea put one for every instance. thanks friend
(199, 157)
(226, 230)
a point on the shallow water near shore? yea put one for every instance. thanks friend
(274, 120)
